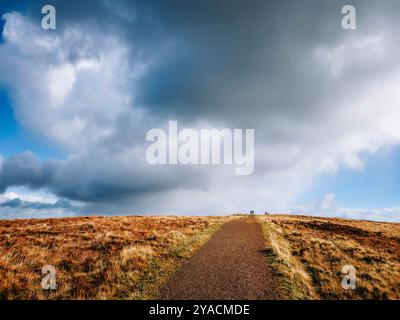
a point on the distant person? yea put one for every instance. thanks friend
(251, 212)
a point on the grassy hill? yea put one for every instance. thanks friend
(131, 257)
(97, 257)
(309, 254)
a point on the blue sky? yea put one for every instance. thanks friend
(76, 103)
(376, 185)
(14, 139)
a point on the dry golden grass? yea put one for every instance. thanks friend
(309, 254)
(97, 257)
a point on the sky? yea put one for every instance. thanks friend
(76, 104)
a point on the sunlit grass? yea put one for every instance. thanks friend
(97, 257)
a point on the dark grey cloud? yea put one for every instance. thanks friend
(17, 203)
(25, 169)
(13, 203)
(83, 180)
(231, 61)
(222, 59)
(225, 59)
(217, 56)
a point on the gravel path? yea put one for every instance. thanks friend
(230, 266)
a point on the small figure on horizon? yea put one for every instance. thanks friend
(252, 212)
(266, 213)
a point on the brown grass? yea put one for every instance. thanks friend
(97, 257)
(309, 254)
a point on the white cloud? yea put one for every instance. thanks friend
(76, 82)
(60, 82)
(352, 52)
(26, 194)
(328, 207)
(327, 201)
(374, 214)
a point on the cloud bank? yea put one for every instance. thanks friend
(318, 98)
